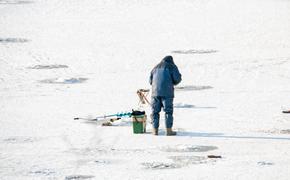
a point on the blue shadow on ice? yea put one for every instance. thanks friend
(181, 105)
(221, 135)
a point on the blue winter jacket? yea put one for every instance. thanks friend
(164, 77)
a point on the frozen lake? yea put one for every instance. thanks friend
(61, 59)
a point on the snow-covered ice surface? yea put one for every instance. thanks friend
(62, 59)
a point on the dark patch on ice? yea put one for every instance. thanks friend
(187, 160)
(178, 162)
(15, 2)
(13, 40)
(79, 177)
(160, 165)
(214, 156)
(64, 81)
(181, 105)
(264, 163)
(43, 172)
(11, 140)
(102, 162)
(195, 51)
(192, 88)
(276, 131)
(54, 66)
(285, 131)
(188, 148)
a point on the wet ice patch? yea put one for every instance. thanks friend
(64, 81)
(78, 177)
(177, 162)
(13, 40)
(187, 160)
(195, 51)
(160, 165)
(188, 148)
(54, 66)
(192, 88)
(15, 2)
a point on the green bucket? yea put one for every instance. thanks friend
(139, 124)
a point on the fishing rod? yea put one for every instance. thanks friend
(117, 115)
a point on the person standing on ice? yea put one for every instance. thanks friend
(163, 78)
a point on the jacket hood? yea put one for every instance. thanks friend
(168, 59)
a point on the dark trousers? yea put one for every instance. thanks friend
(167, 104)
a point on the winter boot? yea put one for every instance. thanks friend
(155, 131)
(169, 132)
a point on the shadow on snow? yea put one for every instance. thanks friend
(221, 135)
(181, 105)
